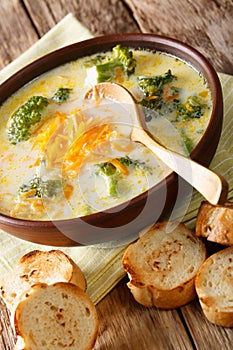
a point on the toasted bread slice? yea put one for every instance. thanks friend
(38, 266)
(214, 222)
(57, 316)
(214, 286)
(162, 265)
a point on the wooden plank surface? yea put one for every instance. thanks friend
(16, 30)
(204, 334)
(7, 335)
(207, 25)
(127, 325)
(100, 17)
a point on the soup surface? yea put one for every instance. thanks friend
(64, 157)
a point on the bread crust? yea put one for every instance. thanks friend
(56, 316)
(150, 296)
(40, 266)
(151, 261)
(214, 222)
(77, 277)
(214, 286)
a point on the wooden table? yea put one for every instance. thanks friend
(206, 25)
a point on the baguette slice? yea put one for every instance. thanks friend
(214, 286)
(214, 222)
(57, 316)
(162, 265)
(38, 266)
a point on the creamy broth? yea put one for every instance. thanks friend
(78, 142)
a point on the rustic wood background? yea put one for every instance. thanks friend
(207, 26)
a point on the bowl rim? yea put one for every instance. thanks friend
(35, 68)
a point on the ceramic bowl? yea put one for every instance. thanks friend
(123, 221)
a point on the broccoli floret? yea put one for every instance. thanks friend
(187, 141)
(25, 118)
(121, 58)
(151, 86)
(153, 104)
(125, 58)
(61, 95)
(30, 113)
(158, 107)
(159, 97)
(111, 175)
(135, 163)
(42, 189)
(192, 109)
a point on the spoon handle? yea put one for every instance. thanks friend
(212, 186)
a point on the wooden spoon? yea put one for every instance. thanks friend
(212, 186)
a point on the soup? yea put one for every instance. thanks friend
(64, 157)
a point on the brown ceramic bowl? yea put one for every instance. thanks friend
(123, 220)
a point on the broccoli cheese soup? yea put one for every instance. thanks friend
(64, 157)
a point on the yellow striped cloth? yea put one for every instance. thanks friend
(102, 265)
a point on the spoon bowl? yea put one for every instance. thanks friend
(211, 185)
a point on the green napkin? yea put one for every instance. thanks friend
(101, 265)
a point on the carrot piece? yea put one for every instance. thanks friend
(172, 97)
(29, 193)
(149, 98)
(37, 205)
(68, 190)
(83, 145)
(121, 167)
(43, 138)
(166, 92)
